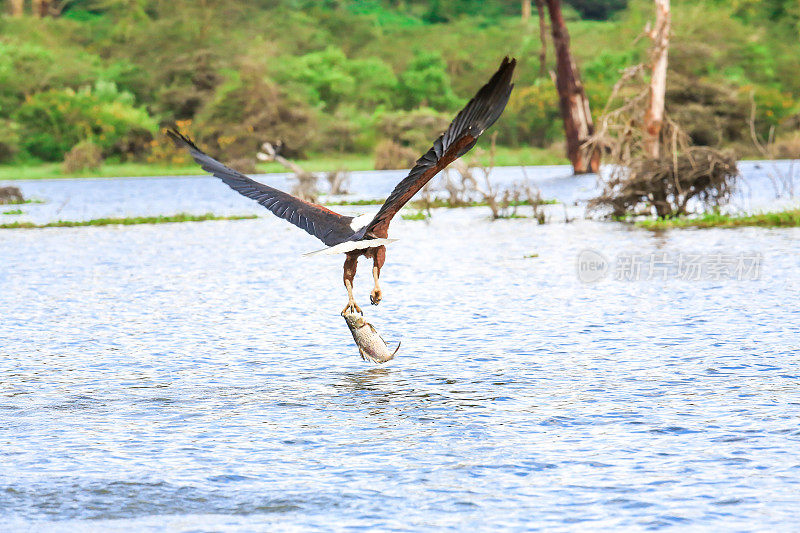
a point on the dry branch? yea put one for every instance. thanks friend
(652, 165)
(305, 186)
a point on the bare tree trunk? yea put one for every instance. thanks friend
(17, 8)
(542, 38)
(654, 116)
(38, 8)
(574, 105)
(526, 10)
(44, 8)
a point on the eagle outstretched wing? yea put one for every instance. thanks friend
(329, 227)
(462, 134)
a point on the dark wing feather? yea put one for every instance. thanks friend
(329, 227)
(462, 134)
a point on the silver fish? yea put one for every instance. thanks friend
(370, 344)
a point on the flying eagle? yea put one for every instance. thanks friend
(357, 236)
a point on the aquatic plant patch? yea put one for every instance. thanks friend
(181, 217)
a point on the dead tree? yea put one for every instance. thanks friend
(305, 186)
(17, 8)
(653, 166)
(40, 8)
(47, 8)
(11, 195)
(574, 105)
(654, 116)
(338, 181)
(542, 38)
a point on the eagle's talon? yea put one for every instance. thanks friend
(375, 296)
(351, 307)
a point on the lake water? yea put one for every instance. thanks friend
(198, 376)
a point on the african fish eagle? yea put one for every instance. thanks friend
(357, 236)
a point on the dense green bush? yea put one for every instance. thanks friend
(533, 116)
(711, 113)
(249, 109)
(29, 67)
(328, 78)
(607, 66)
(415, 129)
(85, 155)
(185, 83)
(333, 76)
(597, 9)
(9, 140)
(54, 121)
(425, 82)
(348, 130)
(390, 155)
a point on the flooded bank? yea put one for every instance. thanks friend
(198, 376)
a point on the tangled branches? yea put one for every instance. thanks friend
(638, 182)
(668, 183)
(463, 189)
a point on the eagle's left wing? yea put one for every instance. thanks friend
(329, 227)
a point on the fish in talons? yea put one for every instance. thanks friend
(370, 344)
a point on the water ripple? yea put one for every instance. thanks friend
(197, 377)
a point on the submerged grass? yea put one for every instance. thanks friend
(441, 202)
(779, 219)
(28, 201)
(419, 215)
(180, 217)
(374, 201)
(511, 216)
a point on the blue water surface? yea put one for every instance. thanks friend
(198, 376)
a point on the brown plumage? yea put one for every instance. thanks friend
(336, 230)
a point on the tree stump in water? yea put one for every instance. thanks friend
(11, 195)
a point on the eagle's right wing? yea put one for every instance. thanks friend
(462, 134)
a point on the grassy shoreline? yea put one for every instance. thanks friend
(128, 221)
(315, 163)
(778, 219)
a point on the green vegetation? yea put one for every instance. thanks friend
(315, 163)
(53, 121)
(134, 169)
(419, 215)
(370, 201)
(28, 201)
(790, 218)
(14, 212)
(332, 80)
(181, 217)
